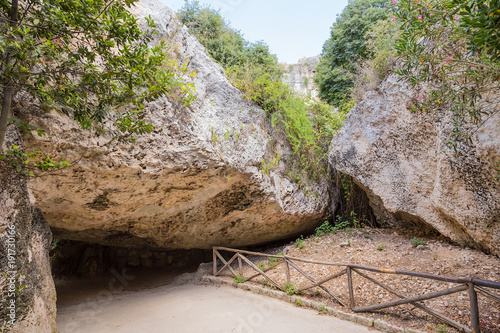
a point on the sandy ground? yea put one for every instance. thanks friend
(193, 308)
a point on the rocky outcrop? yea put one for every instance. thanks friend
(301, 76)
(402, 161)
(197, 181)
(28, 302)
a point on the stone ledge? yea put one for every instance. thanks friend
(314, 305)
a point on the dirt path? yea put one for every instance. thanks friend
(195, 308)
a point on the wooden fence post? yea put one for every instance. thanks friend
(287, 268)
(240, 265)
(474, 309)
(351, 289)
(215, 261)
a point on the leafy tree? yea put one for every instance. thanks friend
(453, 49)
(83, 58)
(381, 43)
(346, 46)
(334, 83)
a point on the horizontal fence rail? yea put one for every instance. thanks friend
(472, 285)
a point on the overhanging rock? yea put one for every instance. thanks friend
(195, 182)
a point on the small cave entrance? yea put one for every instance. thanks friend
(359, 206)
(85, 272)
(353, 204)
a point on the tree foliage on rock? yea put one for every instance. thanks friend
(450, 52)
(83, 58)
(225, 44)
(346, 46)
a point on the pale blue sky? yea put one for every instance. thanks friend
(292, 28)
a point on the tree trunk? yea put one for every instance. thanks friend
(8, 91)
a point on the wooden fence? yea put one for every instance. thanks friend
(472, 285)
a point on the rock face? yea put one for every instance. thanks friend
(26, 284)
(300, 76)
(196, 182)
(400, 158)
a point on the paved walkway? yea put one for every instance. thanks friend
(194, 309)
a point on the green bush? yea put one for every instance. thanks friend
(441, 328)
(272, 261)
(308, 126)
(239, 279)
(291, 289)
(324, 229)
(416, 242)
(299, 242)
(381, 43)
(327, 228)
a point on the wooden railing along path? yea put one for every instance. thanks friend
(472, 285)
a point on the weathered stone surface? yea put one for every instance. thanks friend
(195, 182)
(300, 76)
(400, 158)
(25, 279)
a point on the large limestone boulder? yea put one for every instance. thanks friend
(400, 158)
(28, 299)
(197, 181)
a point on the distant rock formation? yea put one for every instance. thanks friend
(28, 293)
(196, 182)
(402, 161)
(300, 76)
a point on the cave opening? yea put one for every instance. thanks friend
(353, 203)
(86, 273)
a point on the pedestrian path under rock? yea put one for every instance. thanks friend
(195, 308)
